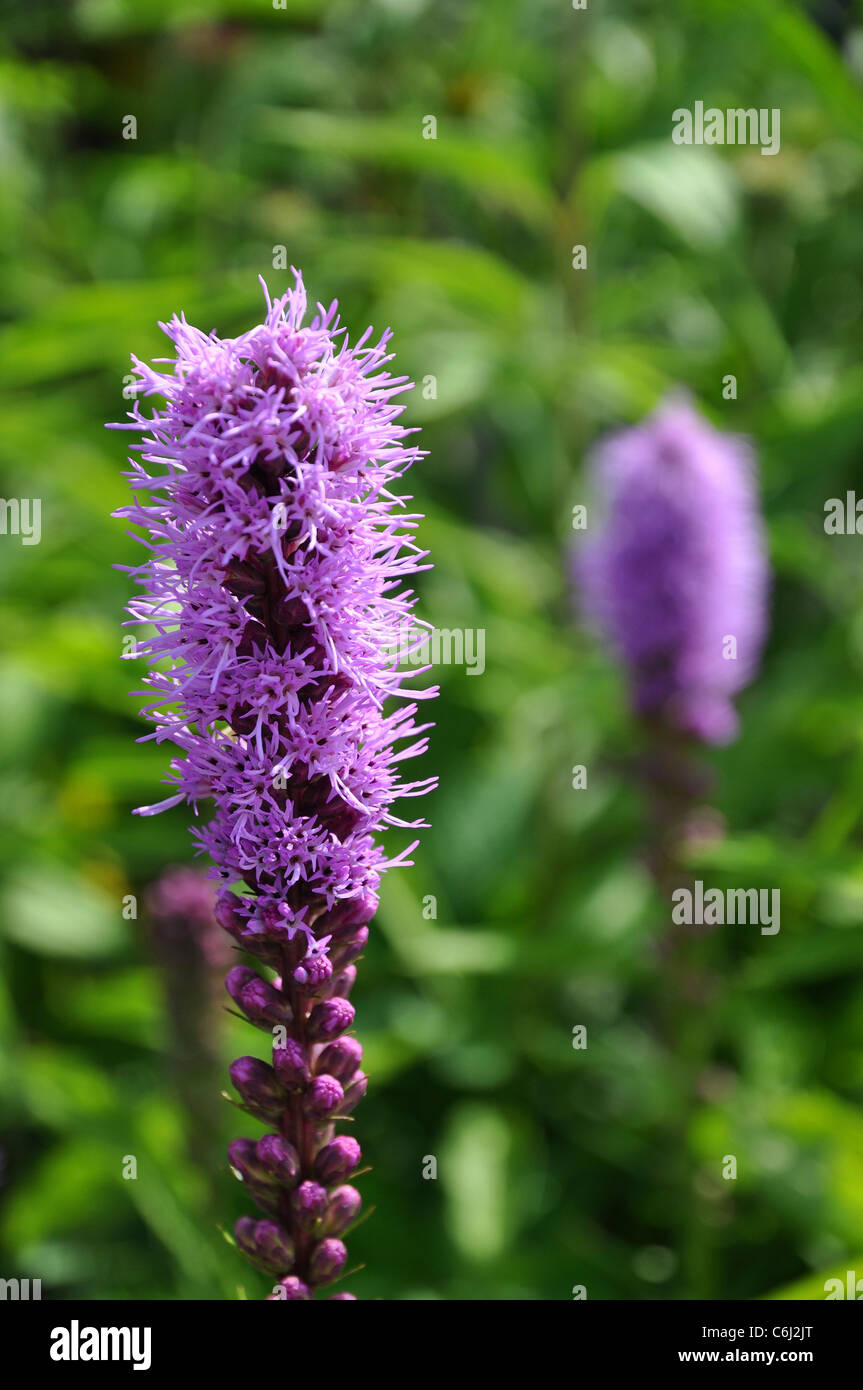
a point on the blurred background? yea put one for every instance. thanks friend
(295, 135)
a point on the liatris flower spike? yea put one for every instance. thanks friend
(273, 588)
(676, 575)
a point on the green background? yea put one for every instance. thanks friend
(302, 128)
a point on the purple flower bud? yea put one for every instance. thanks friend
(236, 978)
(337, 1160)
(354, 1093)
(348, 914)
(227, 916)
(258, 1000)
(243, 1156)
(343, 1210)
(678, 567)
(270, 928)
(292, 1289)
(342, 955)
(313, 971)
(266, 1243)
(341, 1058)
(291, 1065)
(344, 982)
(244, 1234)
(278, 1159)
(308, 1204)
(258, 1086)
(328, 1261)
(274, 1246)
(324, 1095)
(330, 1018)
(341, 1298)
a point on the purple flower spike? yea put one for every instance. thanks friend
(273, 607)
(677, 576)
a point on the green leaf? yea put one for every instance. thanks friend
(504, 173)
(55, 912)
(689, 188)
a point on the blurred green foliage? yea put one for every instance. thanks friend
(301, 126)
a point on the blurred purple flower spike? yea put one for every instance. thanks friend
(676, 575)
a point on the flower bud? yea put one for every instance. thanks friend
(258, 1086)
(274, 1246)
(348, 914)
(291, 1065)
(227, 916)
(344, 1208)
(336, 1161)
(290, 1288)
(244, 1234)
(257, 998)
(313, 972)
(327, 1262)
(268, 931)
(243, 1156)
(278, 1159)
(344, 954)
(354, 1093)
(325, 1094)
(266, 1243)
(330, 1018)
(341, 1058)
(341, 1298)
(344, 982)
(308, 1204)
(236, 978)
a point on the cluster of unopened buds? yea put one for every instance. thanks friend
(298, 1174)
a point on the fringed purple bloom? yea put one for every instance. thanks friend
(677, 574)
(274, 587)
